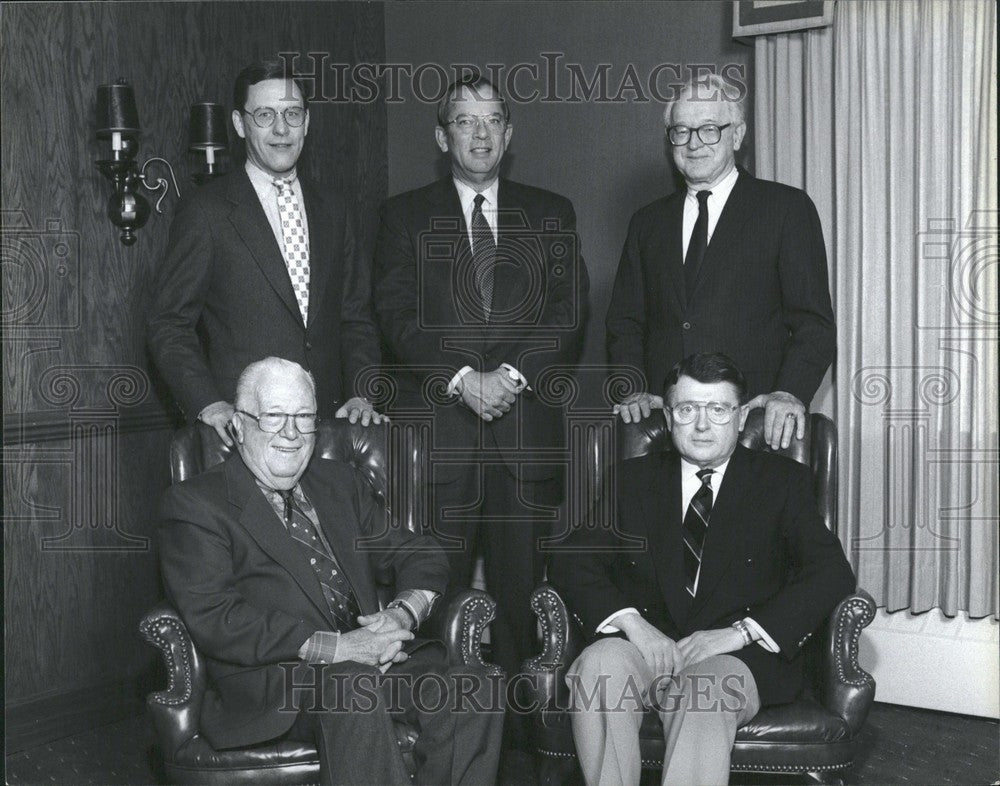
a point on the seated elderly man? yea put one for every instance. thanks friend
(705, 621)
(260, 557)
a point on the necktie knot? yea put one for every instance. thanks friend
(478, 201)
(703, 198)
(705, 476)
(281, 184)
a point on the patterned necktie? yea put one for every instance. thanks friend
(695, 527)
(337, 590)
(484, 255)
(697, 244)
(296, 242)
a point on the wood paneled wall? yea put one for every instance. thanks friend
(86, 428)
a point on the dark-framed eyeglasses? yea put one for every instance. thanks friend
(709, 134)
(264, 116)
(469, 123)
(686, 412)
(274, 422)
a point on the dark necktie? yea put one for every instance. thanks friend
(697, 244)
(695, 527)
(336, 589)
(484, 255)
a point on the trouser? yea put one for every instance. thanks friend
(701, 708)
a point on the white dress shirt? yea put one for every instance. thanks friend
(720, 195)
(267, 193)
(690, 483)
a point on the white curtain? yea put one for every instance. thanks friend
(888, 120)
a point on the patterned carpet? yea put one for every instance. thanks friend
(899, 745)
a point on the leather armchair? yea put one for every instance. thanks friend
(390, 457)
(815, 736)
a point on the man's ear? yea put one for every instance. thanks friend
(442, 138)
(738, 133)
(668, 416)
(744, 411)
(238, 124)
(506, 135)
(238, 425)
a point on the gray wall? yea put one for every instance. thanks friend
(609, 158)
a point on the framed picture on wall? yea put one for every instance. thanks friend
(760, 17)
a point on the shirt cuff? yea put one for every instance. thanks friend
(516, 376)
(763, 639)
(607, 627)
(453, 385)
(321, 647)
(417, 602)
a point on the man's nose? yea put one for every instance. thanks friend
(481, 130)
(289, 431)
(281, 128)
(702, 422)
(694, 141)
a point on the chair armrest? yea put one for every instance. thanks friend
(176, 711)
(562, 642)
(848, 690)
(464, 621)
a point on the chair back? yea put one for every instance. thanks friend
(817, 450)
(389, 455)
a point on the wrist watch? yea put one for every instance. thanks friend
(744, 630)
(396, 604)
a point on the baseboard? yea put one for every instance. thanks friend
(37, 721)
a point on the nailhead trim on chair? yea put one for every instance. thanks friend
(860, 616)
(551, 615)
(149, 629)
(477, 613)
(651, 763)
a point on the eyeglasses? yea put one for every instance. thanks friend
(264, 116)
(467, 123)
(688, 411)
(274, 422)
(709, 134)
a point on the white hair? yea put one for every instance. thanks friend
(251, 380)
(710, 88)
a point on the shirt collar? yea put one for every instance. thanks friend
(467, 194)
(689, 470)
(720, 191)
(262, 180)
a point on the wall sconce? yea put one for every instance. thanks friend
(207, 134)
(118, 120)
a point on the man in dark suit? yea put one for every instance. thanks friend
(260, 557)
(729, 264)
(480, 292)
(263, 262)
(709, 615)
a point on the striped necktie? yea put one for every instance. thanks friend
(296, 244)
(695, 527)
(340, 598)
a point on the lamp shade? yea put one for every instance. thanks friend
(208, 127)
(116, 111)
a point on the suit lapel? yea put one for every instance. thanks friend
(728, 232)
(250, 222)
(258, 518)
(334, 509)
(320, 243)
(510, 268)
(445, 204)
(729, 513)
(670, 240)
(663, 517)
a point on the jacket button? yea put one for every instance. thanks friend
(309, 345)
(749, 562)
(686, 326)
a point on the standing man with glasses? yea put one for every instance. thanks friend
(260, 557)
(706, 623)
(730, 264)
(261, 262)
(480, 291)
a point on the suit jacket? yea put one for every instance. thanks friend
(248, 594)
(761, 295)
(433, 323)
(223, 276)
(767, 555)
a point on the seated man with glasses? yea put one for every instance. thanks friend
(260, 556)
(729, 263)
(262, 261)
(705, 619)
